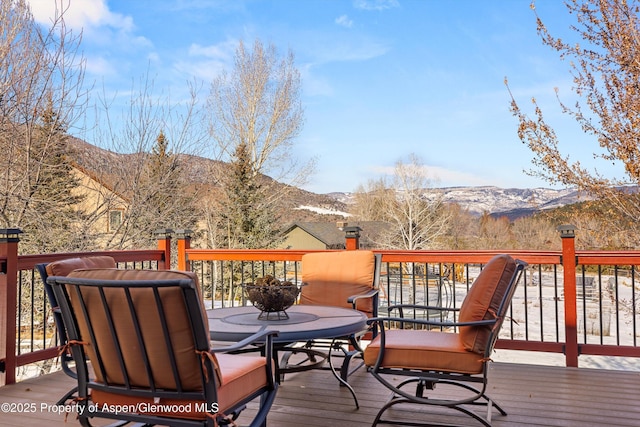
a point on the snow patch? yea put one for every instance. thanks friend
(323, 211)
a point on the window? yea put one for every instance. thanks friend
(115, 219)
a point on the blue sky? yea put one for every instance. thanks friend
(381, 78)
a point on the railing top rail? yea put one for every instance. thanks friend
(551, 257)
(246, 254)
(608, 257)
(27, 262)
(533, 257)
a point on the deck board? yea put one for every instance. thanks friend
(533, 395)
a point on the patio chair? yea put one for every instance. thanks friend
(146, 335)
(457, 356)
(63, 268)
(346, 279)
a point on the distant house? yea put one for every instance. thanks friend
(107, 206)
(330, 235)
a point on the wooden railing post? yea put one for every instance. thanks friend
(571, 349)
(352, 238)
(9, 238)
(164, 244)
(184, 243)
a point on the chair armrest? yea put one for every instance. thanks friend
(403, 320)
(370, 294)
(400, 307)
(263, 337)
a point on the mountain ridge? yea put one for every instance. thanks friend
(304, 205)
(497, 201)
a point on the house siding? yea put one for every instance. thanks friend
(300, 239)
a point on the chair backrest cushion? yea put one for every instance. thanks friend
(483, 301)
(66, 266)
(179, 326)
(332, 277)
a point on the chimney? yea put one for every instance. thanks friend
(352, 237)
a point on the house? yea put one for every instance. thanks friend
(330, 235)
(105, 204)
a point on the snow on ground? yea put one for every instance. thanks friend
(323, 211)
(537, 308)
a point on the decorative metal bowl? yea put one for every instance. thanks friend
(272, 297)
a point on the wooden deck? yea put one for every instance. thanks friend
(533, 395)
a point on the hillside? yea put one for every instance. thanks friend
(300, 205)
(306, 206)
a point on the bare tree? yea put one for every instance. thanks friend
(605, 67)
(155, 180)
(463, 228)
(41, 96)
(493, 233)
(415, 212)
(256, 108)
(534, 232)
(369, 201)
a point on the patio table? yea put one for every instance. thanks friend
(304, 323)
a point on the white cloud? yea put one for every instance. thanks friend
(85, 14)
(207, 62)
(205, 70)
(339, 49)
(375, 4)
(344, 21)
(153, 57)
(99, 66)
(221, 51)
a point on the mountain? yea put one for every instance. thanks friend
(306, 206)
(496, 201)
(300, 205)
(510, 202)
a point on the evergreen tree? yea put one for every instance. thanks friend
(161, 199)
(41, 95)
(163, 179)
(54, 216)
(249, 221)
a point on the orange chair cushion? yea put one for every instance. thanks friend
(424, 350)
(483, 300)
(188, 362)
(242, 375)
(332, 277)
(66, 266)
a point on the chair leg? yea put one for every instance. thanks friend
(266, 401)
(422, 384)
(340, 378)
(398, 399)
(67, 396)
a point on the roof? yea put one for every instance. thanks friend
(333, 237)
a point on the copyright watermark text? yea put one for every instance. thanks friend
(81, 409)
(32, 407)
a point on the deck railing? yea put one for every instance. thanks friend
(28, 342)
(568, 302)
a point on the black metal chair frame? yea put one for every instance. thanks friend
(348, 347)
(62, 286)
(66, 359)
(427, 380)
